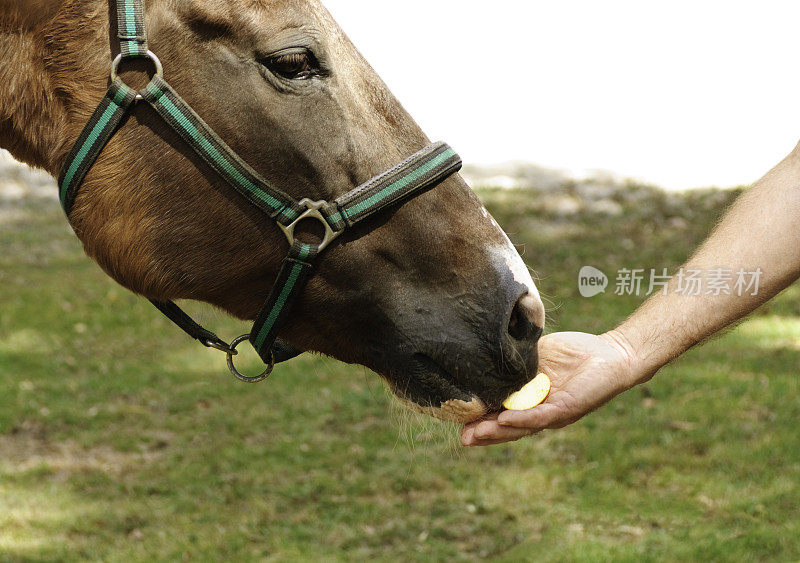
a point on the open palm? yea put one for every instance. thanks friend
(586, 372)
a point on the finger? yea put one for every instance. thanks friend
(468, 429)
(481, 444)
(485, 429)
(538, 418)
(490, 431)
(491, 416)
(468, 435)
(494, 441)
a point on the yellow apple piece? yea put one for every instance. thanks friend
(532, 394)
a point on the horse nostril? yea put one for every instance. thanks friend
(517, 325)
(527, 319)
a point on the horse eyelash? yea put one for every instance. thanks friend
(298, 58)
(312, 66)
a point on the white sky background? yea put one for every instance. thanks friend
(679, 93)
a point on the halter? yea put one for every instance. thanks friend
(423, 170)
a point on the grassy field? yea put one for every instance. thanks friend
(121, 440)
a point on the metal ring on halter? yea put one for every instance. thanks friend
(239, 375)
(149, 55)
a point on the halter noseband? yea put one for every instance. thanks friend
(425, 169)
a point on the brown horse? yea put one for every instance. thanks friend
(431, 295)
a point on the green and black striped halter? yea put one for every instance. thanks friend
(423, 170)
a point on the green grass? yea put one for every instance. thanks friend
(121, 440)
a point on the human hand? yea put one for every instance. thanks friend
(586, 371)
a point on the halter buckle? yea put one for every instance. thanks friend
(312, 212)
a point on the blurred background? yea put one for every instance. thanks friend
(680, 94)
(122, 440)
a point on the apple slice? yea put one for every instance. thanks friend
(532, 394)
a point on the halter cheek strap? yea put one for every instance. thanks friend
(423, 170)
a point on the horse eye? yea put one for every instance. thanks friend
(293, 66)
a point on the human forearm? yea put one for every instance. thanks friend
(760, 231)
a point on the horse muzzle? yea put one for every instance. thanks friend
(463, 358)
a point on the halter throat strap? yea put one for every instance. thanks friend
(419, 172)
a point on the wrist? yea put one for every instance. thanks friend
(639, 367)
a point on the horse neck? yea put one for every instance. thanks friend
(31, 117)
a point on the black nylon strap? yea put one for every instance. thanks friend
(292, 278)
(213, 150)
(102, 125)
(281, 351)
(131, 30)
(421, 170)
(188, 325)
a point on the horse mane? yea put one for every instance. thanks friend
(31, 119)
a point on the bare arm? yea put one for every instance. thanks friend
(761, 230)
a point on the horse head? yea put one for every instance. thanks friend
(430, 294)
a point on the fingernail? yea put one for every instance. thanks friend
(503, 422)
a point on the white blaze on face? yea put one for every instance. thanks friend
(505, 257)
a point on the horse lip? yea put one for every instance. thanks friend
(459, 405)
(429, 385)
